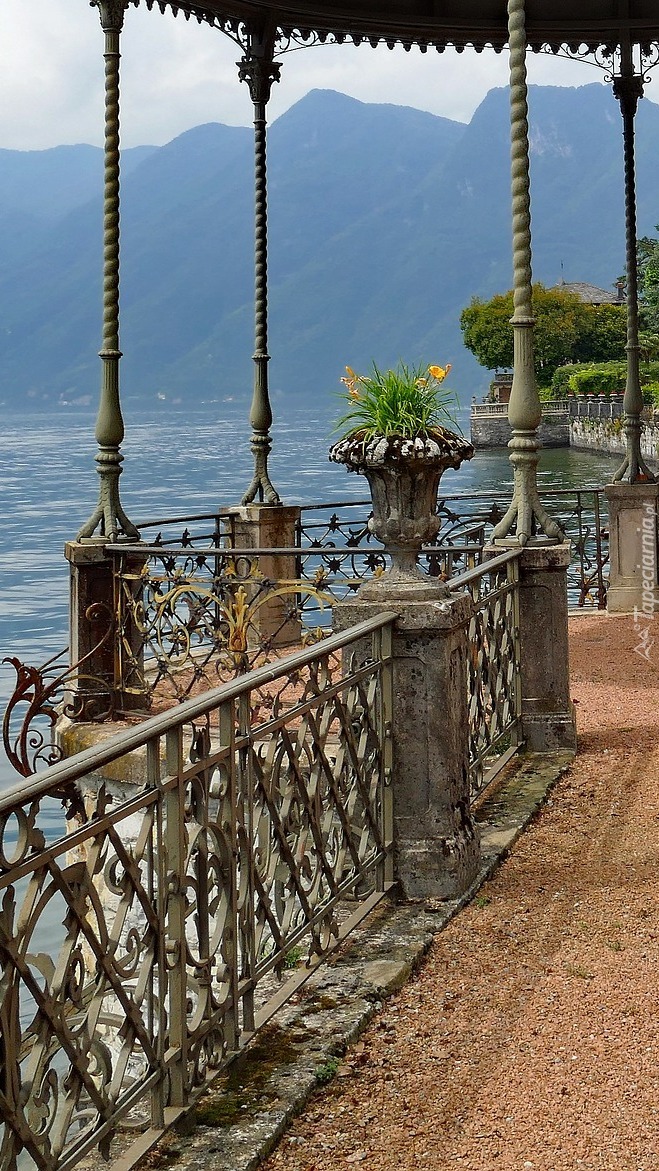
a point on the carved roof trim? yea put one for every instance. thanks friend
(551, 24)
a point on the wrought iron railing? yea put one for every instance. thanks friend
(583, 516)
(143, 940)
(494, 695)
(342, 543)
(192, 611)
(188, 619)
(347, 526)
(469, 518)
(204, 529)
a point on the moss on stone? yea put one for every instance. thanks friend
(245, 1086)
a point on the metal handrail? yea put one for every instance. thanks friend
(65, 772)
(173, 904)
(470, 575)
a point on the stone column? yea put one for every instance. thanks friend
(526, 514)
(109, 521)
(628, 89)
(436, 845)
(633, 510)
(259, 69)
(268, 526)
(548, 717)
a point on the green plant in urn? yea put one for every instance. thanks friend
(399, 433)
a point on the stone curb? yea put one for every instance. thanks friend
(240, 1119)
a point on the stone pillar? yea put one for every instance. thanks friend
(548, 717)
(103, 684)
(633, 557)
(436, 845)
(267, 526)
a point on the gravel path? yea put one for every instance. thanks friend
(529, 1037)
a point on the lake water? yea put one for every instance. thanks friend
(176, 462)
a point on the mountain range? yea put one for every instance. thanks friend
(384, 221)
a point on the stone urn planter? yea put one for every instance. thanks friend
(403, 475)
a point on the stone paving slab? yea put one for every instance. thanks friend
(242, 1116)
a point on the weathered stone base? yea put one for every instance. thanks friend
(439, 867)
(395, 587)
(93, 605)
(551, 732)
(548, 715)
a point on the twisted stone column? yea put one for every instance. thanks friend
(259, 70)
(526, 513)
(109, 517)
(628, 88)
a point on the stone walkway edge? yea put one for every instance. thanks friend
(244, 1113)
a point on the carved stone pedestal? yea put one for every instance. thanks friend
(436, 846)
(103, 684)
(548, 716)
(271, 526)
(633, 548)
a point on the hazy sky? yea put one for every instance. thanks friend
(177, 74)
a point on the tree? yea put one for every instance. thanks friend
(603, 335)
(566, 330)
(647, 259)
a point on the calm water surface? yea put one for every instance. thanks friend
(175, 462)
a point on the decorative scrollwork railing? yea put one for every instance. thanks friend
(144, 939)
(214, 530)
(56, 688)
(494, 680)
(583, 517)
(342, 543)
(197, 610)
(347, 524)
(468, 519)
(190, 619)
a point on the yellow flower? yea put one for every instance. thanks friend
(421, 382)
(439, 372)
(351, 381)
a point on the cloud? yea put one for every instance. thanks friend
(177, 74)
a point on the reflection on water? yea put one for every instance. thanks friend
(176, 462)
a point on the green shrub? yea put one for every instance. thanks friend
(651, 393)
(605, 378)
(559, 383)
(601, 377)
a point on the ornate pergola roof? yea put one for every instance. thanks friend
(439, 23)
